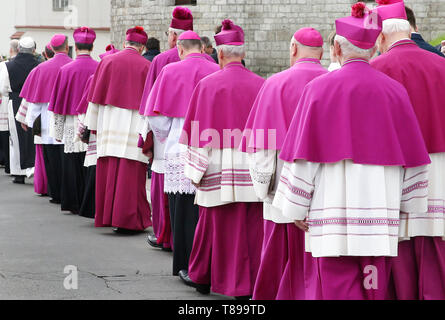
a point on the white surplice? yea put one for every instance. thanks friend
(31, 111)
(265, 170)
(4, 102)
(222, 174)
(352, 209)
(431, 223)
(158, 165)
(64, 128)
(91, 155)
(168, 131)
(117, 131)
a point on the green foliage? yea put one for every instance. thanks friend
(438, 40)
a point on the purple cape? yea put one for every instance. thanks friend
(83, 104)
(422, 73)
(40, 82)
(275, 105)
(70, 85)
(356, 113)
(220, 106)
(119, 80)
(159, 62)
(174, 86)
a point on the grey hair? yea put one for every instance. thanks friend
(232, 51)
(348, 48)
(14, 45)
(26, 50)
(396, 25)
(190, 44)
(178, 32)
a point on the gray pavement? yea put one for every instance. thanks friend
(37, 242)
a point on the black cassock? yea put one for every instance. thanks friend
(19, 69)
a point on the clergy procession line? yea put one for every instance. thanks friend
(314, 184)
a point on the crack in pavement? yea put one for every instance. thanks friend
(106, 281)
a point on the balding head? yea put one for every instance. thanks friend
(299, 51)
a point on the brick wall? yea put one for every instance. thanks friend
(268, 24)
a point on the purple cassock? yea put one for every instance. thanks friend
(159, 62)
(40, 82)
(212, 105)
(82, 107)
(37, 89)
(223, 101)
(121, 199)
(282, 242)
(170, 96)
(369, 120)
(107, 85)
(366, 126)
(422, 74)
(159, 199)
(279, 97)
(67, 93)
(70, 85)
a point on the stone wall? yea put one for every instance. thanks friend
(269, 24)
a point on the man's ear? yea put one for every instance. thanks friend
(321, 54)
(294, 50)
(381, 41)
(337, 49)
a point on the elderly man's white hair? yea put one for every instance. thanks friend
(349, 49)
(232, 51)
(14, 45)
(396, 25)
(178, 32)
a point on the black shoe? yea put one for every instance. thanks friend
(201, 288)
(125, 231)
(167, 249)
(53, 201)
(19, 180)
(153, 241)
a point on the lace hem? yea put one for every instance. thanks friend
(175, 180)
(260, 177)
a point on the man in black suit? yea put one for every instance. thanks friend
(416, 36)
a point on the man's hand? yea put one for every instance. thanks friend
(303, 225)
(197, 185)
(443, 47)
(149, 154)
(24, 126)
